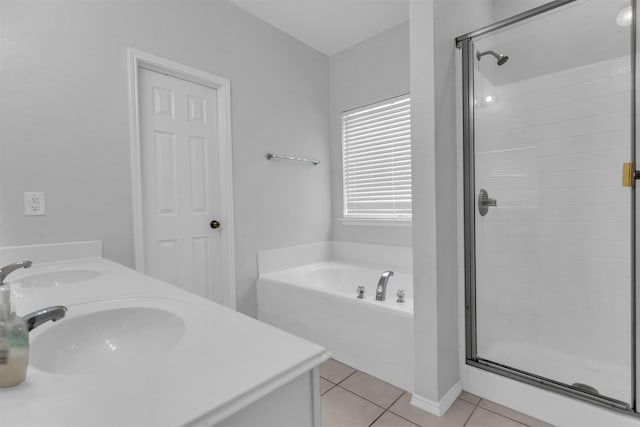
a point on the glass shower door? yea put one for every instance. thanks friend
(552, 128)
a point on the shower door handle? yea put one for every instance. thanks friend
(484, 202)
(629, 174)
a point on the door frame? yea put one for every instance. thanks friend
(142, 60)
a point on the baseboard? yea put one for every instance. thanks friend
(442, 406)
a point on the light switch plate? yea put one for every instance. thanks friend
(33, 203)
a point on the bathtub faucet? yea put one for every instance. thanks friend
(381, 290)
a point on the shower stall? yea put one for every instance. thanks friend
(549, 122)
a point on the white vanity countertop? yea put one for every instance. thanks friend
(224, 362)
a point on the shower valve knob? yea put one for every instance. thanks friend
(484, 202)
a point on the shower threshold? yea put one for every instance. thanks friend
(576, 390)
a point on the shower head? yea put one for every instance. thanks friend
(500, 58)
(503, 59)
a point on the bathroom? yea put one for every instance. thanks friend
(67, 117)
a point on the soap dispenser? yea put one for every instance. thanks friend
(14, 343)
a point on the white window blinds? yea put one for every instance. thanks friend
(376, 160)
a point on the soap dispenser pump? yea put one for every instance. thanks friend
(14, 343)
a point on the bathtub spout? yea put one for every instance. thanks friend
(381, 290)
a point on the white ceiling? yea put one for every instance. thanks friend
(329, 26)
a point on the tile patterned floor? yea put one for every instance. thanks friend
(351, 398)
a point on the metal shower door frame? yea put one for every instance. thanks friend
(466, 44)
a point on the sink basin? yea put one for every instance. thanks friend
(56, 278)
(43, 275)
(106, 337)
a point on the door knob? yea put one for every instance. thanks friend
(214, 224)
(484, 202)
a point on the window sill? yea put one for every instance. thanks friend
(377, 222)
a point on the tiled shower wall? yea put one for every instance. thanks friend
(553, 258)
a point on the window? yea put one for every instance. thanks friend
(376, 160)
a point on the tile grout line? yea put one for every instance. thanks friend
(347, 377)
(478, 402)
(398, 415)
(406, 419)
(384, 410)
(394, 402)
(327, 380)
(379, 406)
(336, 383)
(470, 415)
(377, 418)
(475, 407)
(493, 412)
(364, 398)
(388, 408)
(393, 413)
(503, 416)
(331, 388)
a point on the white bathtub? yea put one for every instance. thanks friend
(318, 302)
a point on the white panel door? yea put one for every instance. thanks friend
(181, 195)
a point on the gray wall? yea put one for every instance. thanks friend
(434, 26)
(64, 121)
(371, 71)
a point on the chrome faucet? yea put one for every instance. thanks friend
(381, 290)
(37, 318)
(5, 271)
